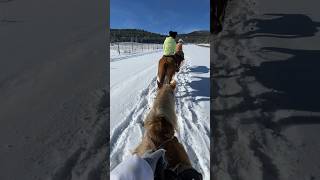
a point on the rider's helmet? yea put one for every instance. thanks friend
(180, 41)
(173, 34)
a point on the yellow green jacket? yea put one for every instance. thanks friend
(169, 46)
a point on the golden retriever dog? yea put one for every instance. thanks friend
(160, 125)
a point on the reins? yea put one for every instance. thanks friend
(162, 144)
(165, 142)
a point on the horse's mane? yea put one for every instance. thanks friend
(163, 107)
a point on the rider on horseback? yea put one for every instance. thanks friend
(169, 45)
(173, 49)
(171, 60)
(167, 64)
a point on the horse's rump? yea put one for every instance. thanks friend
(166, 70)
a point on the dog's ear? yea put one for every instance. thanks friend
(173, 84)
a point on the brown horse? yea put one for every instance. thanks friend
(167, 68)
(160, 125)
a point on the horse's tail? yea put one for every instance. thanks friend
(162, 71)
(165, 67)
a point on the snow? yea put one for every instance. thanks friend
(53, 84)
(204, 45)
(266, 104)
(132, 90)
(124, 50)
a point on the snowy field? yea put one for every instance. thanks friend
(133, 89)
(204, 45)
(124, 50)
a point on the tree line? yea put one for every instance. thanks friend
(142, 36)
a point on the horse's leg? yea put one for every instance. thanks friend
(171, 70)
(161, 72)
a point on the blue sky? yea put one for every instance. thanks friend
(160, 16)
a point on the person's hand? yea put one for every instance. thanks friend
(155, 158)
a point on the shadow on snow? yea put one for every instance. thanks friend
(283, 26)
(201, 86)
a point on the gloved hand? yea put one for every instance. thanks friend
(155, 158)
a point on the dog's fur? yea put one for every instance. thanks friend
(160, 125)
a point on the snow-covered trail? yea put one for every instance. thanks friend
(133, 89)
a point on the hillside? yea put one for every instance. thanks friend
(137, 35)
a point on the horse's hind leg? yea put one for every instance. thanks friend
(161, 72)
(170, 73)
